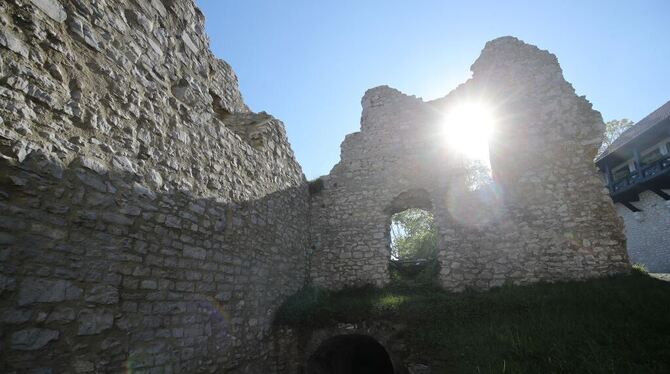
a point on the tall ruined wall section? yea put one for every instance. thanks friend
(389, 166)
(553, 217)
(547, 217)
(148, 219)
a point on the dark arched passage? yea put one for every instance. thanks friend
(350, 354)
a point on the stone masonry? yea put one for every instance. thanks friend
(150, 222)
(647, 232)
(548, 217)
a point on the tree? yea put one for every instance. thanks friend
(478, 174)
(614, 129)
(413, 235)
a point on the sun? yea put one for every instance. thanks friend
(468, 126)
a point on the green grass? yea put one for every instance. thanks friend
(614, 325)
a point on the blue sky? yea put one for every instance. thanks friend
(309, 62)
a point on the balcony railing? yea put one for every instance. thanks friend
(644, 174)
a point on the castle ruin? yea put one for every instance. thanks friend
(149, 220)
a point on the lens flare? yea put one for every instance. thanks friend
(478, 208)
(218, 311)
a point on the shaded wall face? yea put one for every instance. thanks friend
(148, 219)
(548, 217)
(647, 232)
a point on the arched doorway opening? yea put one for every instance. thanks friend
(350, 354)
(412, 238)
(413, 235)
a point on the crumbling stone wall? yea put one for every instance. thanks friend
(148, 220)
(389, 166)
(548, 217)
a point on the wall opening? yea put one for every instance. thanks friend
(413, 235)
(350, 354)
(412, 238)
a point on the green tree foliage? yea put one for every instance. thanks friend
(614, 129)
(413, 235)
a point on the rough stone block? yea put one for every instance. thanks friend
(116, 218)
(93, 322)
(13, 43)
(194, 252)
(32, 338)
(62, 315)
(149, 284)
(84, 31)
(172, 221)
(41, 290)
(15, 316)
(51, 8)
(103, 294)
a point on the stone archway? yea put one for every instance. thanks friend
(416, 198)
(413, 198)
(420, 264)
(350, 354)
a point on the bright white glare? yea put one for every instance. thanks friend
(468, 128)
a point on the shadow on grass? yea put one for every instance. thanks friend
(614, 325)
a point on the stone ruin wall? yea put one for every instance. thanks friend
(385, 168)
(148, 219)
(548, 217)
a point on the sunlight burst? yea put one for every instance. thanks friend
(468, 128)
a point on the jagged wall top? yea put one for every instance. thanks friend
(148, 219)
(132, 86)
(546, 217)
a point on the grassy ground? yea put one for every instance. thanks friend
(615, 325)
